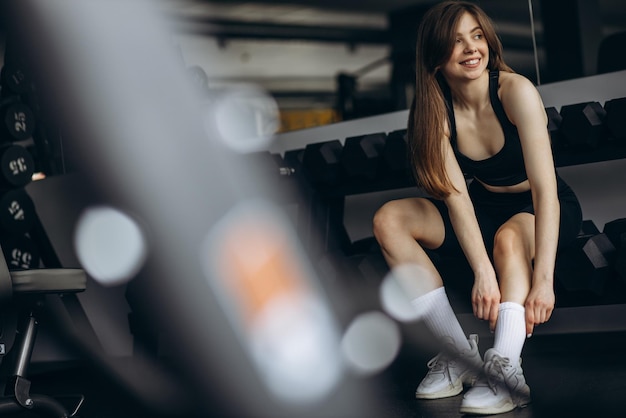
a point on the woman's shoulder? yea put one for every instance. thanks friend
(513, 82)
(518, 95)
(515, 87)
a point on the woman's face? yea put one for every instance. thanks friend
(470, 55)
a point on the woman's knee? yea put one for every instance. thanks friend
(510, 240)
(388, 219)
(416, 218)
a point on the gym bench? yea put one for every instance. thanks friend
(22, 295)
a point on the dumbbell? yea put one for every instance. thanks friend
(616, 231)
(554, 128)
(362, 154)
(293, 158)
(321, 162)
(15, 75)
(270, 164)
(586, 264)
(582, 126)
(15, 78)
(396, 159)
(17, 212)
(615, 120)
(588, 228)
(20, 252)
(16, 166)
(18, 117)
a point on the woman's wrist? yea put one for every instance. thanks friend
(484, 270)
(542, 278)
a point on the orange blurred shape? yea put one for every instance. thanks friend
(259, 267)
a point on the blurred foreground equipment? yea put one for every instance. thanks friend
(135, 129)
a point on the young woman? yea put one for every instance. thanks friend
(473, 116)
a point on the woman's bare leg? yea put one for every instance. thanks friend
(513, 253)
(402, 228)
(514, 250)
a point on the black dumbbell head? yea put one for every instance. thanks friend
(15, 78)
(321, 161)
(588, 229)
(20, 252)
(16, 166)
(19, 121)
(614, 230)
(396, 152)
(616, 118)
(620, 259)
(554, 128)
(599, 250)
(293, 158)
(17, 212)
(583, 124)
(361, 155)
(587, 265)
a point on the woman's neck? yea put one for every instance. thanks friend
(470, 94)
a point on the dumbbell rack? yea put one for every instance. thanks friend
(17, 213)
(25, 148)
(327, 202)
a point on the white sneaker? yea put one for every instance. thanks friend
(449, 370)
(502, 389)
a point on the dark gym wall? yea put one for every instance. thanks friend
(403, 37)
(572, 35)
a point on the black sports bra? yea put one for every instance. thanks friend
(506, 167)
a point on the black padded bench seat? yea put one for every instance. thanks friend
(48, 281)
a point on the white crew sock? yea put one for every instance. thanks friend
(434, 309)
(510, 331)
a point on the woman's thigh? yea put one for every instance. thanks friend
(417, 217)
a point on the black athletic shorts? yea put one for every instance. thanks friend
(493, 209)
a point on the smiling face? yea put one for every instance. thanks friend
(470, 54)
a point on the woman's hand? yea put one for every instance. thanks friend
(539, 304)
(486, 298)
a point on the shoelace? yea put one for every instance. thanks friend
(437, 363)
(442, 361)
(494, 368)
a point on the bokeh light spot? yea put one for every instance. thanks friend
(370, 343)
(402, 284)
(110, 245)
(245, 119)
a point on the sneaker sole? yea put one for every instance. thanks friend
(452, 390)
(490, 410)
(506, 406)
(522, 397)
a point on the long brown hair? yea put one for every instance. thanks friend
(428, 116)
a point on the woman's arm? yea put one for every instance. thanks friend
(525, 109)
(485, 292)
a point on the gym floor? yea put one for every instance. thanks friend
(569, 376)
